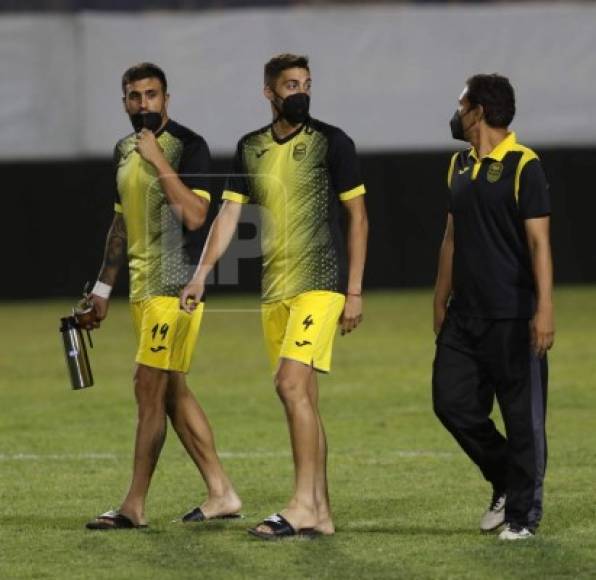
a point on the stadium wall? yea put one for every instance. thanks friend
(390, 74)
(56, 215)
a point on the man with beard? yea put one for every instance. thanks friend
(300, 172)
(161, 198)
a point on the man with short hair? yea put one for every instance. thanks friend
(161, 199)
(300, 172)
(493, 311)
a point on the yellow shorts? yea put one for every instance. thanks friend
(166, 334)
(302, 328)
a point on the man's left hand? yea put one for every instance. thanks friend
(352, 314)
(148, 147)
(542, 330)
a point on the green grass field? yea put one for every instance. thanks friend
(406, 500)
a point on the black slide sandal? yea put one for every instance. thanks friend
(281, 528)
(113, 520)
(197, 515)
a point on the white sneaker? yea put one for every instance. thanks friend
(513, 532)
(494, 516)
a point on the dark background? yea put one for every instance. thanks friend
(56, 215)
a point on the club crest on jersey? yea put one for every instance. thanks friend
(494, 172)
(299, 152)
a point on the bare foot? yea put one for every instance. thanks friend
(221, 505)
(326, 526)
(137, 517)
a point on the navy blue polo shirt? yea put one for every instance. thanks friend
(490, 199)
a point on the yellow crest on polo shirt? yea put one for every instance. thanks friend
(494, 172)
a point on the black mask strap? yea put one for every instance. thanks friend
(277, 107)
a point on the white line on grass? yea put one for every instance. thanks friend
(365, 457)
(55, 456)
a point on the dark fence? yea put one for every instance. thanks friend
(56, 214)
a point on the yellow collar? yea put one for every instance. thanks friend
(500, 150)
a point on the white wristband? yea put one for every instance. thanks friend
(102, 290)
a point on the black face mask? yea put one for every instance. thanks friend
(151, 121)
(294, 108)
(457, 127)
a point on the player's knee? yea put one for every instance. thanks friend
(289, 388)
(446, 410)
(439, 408)
(441, 405)
(149, 386)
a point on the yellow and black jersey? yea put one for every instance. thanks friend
(158, 244)
(490, 199)
(298, 182)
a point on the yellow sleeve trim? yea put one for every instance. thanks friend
(234, 196)
(202, 193)
(451, 168)
(527, 156)
(352, 193)
(117, 208)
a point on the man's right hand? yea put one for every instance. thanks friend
(191, 295)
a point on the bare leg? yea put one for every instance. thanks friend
(150, 391)
(292, 381)
(193, 429)
(325, 524)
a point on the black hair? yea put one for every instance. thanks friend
(496, 95)
(282, 62)
(144, 70)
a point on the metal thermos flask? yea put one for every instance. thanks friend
(75, 351)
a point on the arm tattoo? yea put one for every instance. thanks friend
(115, 251)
